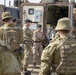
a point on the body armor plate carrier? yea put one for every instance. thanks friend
(68, 57)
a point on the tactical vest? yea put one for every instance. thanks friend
(11, 37)
(68, 57)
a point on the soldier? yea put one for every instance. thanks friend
(7, 19)
(18, 52)
(9, 34)
(27, 35)
(9, 64)
(59, 56)
(38, 38)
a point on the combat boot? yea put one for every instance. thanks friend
(34, 64)
(26, 72)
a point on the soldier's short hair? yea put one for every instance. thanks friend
(39, 26)
(28, 20)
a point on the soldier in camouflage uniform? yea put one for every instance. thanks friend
(7, 20)
(38, 38)
(27, 35)
(9, 34)
(8, 62)
(18, 52)
(59, 56)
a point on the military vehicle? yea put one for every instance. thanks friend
(46, 13)
(15, 12)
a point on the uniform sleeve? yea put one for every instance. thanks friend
(24, 32)
(46, 59)
(21, 35)
(42, 37)
(1, 34)
(35, 38)
(56, 57)
(31, 35)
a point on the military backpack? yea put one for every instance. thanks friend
(11, 37)
(68, 57)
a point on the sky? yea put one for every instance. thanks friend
(12, 2)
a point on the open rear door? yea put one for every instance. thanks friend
(38, 13)
(34, 12)
(55, 11)
(58, 10)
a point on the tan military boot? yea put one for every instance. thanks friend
(34, 64)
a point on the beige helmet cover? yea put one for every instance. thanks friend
(63, 24)
(6, 15)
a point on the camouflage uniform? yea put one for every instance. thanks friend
(18, 39)
(38, 37)
(9, 64)
(18, 52)
(52, 56)
(2, 29)
(27, 34)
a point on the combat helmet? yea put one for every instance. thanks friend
(63, 24)
(6, 15)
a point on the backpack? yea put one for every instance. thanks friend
(68, 57)
(11, 37)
